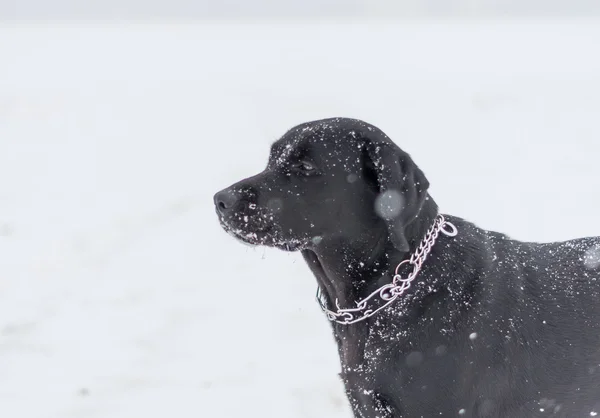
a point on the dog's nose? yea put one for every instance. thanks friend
(225, 201)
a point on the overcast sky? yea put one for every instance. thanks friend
(208, 9)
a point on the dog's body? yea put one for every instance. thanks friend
(494, 328)
(491, 327)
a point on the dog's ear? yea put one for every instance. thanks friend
(402, 189)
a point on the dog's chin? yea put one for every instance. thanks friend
(290, 245)
(247, 235)
(265, 236)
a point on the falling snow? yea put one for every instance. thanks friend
(591, 258)
(389, 204)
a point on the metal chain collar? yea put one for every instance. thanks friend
(391, 291)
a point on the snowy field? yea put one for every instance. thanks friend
(120, 296)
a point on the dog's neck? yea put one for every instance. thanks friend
(348, 269)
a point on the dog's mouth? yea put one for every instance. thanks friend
(255, 230)
(246, 234)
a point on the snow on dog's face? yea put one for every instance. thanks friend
(325, 181)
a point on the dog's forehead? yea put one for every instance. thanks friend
(318, 140)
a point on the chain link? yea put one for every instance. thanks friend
(391, 291)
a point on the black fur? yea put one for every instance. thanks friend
(492, 327)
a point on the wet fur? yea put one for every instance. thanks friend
(492, 327)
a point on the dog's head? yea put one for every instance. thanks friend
(326, 181)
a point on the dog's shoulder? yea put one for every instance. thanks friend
(502, 266)
(530, 277)
(499, 248)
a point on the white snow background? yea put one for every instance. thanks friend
(121, 297)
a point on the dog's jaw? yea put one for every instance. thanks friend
(268, 236)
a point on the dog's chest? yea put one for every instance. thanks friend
(352, 345)
(368, 357)
(387, 371)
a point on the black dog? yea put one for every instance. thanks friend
(474, 324)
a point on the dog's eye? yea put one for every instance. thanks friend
(305, 167)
